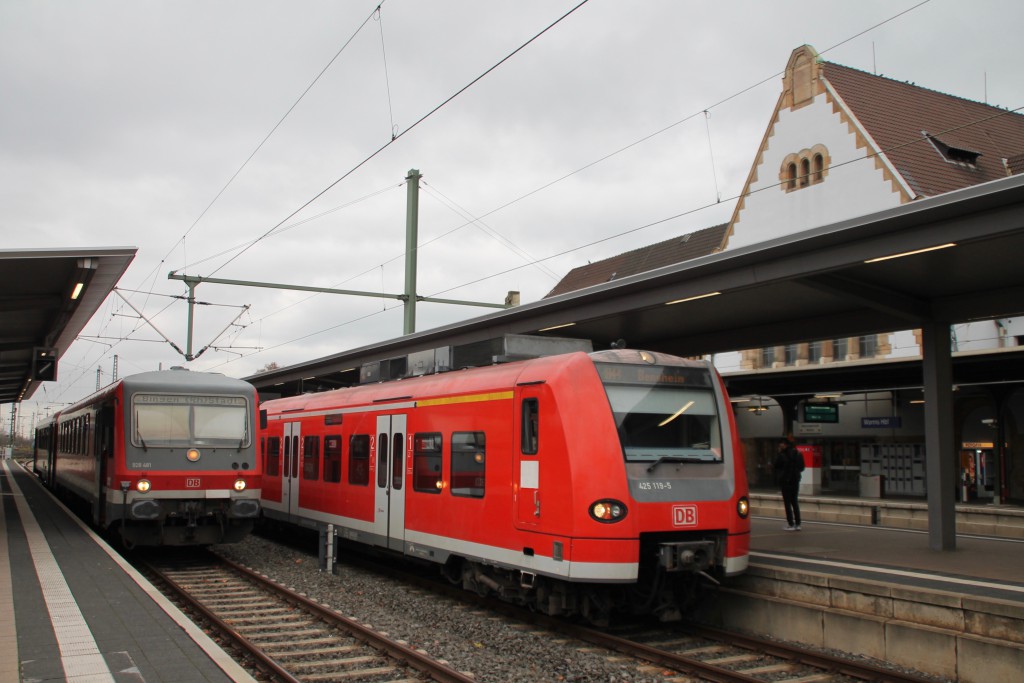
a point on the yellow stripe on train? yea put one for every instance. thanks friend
(472, 398)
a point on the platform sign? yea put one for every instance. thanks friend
(893, 422)
(821, 412)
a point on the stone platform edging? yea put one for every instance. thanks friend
(964, 638)
(984, 520)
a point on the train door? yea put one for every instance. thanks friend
(290, 470)
(388, 451)
(528, 498)
(51, 458)
(103, 449)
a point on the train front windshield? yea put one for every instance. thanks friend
(664, 414)
(164, 420)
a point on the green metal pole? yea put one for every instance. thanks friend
(412, 211)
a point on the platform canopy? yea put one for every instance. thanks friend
(46, 297)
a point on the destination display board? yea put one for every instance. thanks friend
(821, 412)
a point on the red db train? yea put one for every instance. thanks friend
(578, 484)
(159, 458)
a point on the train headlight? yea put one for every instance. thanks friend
(239, 484)
(193, 454)
(143, 485)
(608, 511)
(743, 507)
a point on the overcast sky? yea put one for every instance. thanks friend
(122, 121)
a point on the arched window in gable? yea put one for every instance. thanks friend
(807, 167)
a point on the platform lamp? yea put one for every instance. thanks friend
(85, 268)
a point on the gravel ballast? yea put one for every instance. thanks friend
(491, 648)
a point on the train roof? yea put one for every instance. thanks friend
(474, 379)
(180, 379)
(175, 380)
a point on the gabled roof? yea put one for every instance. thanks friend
(901, 117)
(667, 253)
(936, 142)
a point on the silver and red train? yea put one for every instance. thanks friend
(578, 484)
(159, 458)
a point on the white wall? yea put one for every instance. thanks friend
(848, 190)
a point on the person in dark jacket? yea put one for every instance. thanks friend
(789, 465)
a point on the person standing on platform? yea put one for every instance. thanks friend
(789, 466)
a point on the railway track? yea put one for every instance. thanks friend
(288, 636)
(724, 657)
(677, 653)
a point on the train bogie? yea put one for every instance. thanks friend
(575, 484)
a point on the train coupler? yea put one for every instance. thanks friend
(686, 556)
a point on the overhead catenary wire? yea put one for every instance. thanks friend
(635, 229)
(375, 12)
(716, 104)
(545, 186)
(474, 221)
(152, 276)
(404, 132)
(740, 195)
(612, 154)
(387, 81)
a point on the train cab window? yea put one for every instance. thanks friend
(332, 458)
(311, 458)
(469, 464)
(426, 463)
(359, 460)
(274, 456)
(667, 423)
(531, 413)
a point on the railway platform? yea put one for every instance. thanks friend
(72, 610)
(845, 584)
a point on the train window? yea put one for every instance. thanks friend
(531, 411)
(169, 420)
(382, 461)
(311, 458)
(397, 460)
(359, 460)
(666, 424)
(295, 457)
(426, 463)
(469, 464)
(274, 456)
(332, 458)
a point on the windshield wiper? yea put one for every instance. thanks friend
(143, 442)
(696, 457)
(667, 458)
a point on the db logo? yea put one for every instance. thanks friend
(684, 515)
(194, 484)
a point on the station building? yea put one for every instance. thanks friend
(843, 143)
